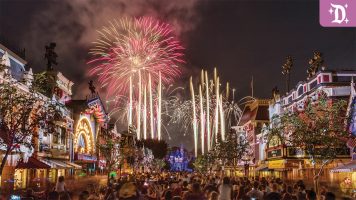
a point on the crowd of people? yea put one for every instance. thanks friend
(191, 186)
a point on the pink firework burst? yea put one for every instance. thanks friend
(130, 47)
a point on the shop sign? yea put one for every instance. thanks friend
(85, 157)
(274, 153)
(276, 164)
(299, 153)
(295, 152)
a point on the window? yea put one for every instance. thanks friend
(55, 137)
(313, 84)
(63, 135)
(326, 78)
(290, 99)
(59, 137)
(258, 128)
(300, 90)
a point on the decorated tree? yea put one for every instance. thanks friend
(23, 114)
(319, 130)
(42, 83)
(201, 163)
(275, 131)
(230, 151)
(128, 147)
(109, 148)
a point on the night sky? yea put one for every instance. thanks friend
(241, 38)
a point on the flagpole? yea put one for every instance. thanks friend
(252, 86)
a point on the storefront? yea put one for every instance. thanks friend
(275, 154)
(87, 163)
(33, 174)
(283, 161)
(58, 168)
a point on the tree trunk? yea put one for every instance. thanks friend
(108, 183)
(3, 162)
(316, 180)
(109, 171)
(316, 185)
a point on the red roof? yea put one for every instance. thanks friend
(247, 115)
(260, 112)
(32, 163)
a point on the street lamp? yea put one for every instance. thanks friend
(286, 68)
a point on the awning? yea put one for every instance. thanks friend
(57, 164)
(349, 167)
(263, 167)
(74, 166)
(281, 169)
(32, 163)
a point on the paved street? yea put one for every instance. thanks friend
(80, 184)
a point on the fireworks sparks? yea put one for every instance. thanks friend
(131, 57)
(130, 46)
(211, 116)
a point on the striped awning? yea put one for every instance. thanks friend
(349, 167)
(74, 166)
(56, 164)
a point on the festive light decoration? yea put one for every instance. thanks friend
(131, 55)
(83, 136)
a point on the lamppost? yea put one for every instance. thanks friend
(314, 63)
(286, 68)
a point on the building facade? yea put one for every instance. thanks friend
(70, 149)
(90, 122)
(291, 162)
(23, 168)
(254, 117)
(348, 169)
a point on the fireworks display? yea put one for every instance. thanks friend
(130, 46)
(133, 57)
(135, 60)
(209, 112)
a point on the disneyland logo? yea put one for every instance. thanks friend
(338, 13)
